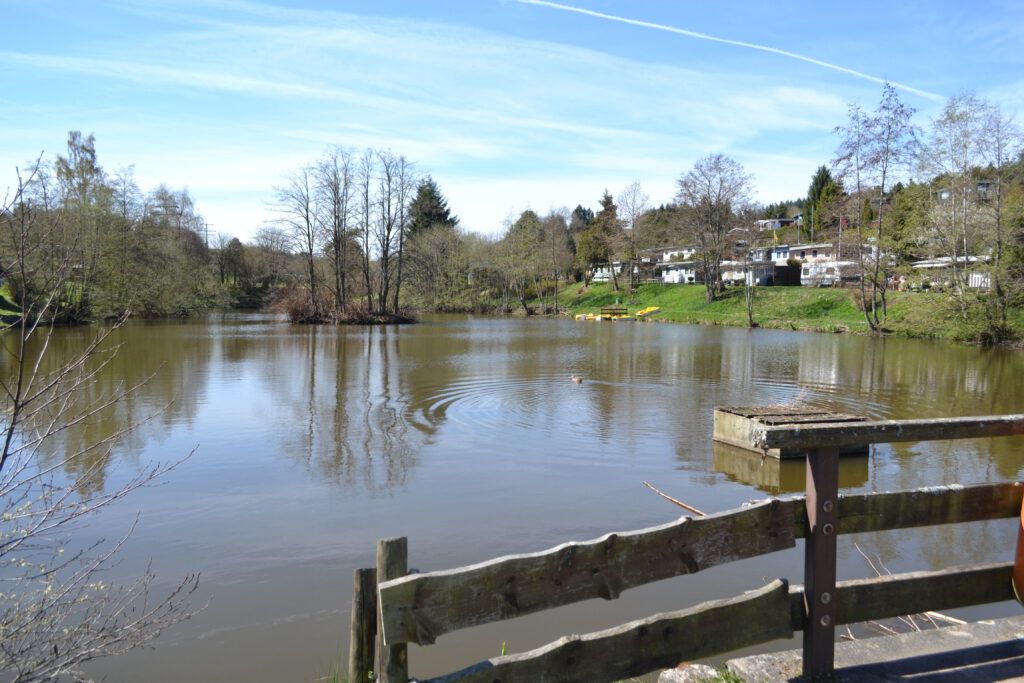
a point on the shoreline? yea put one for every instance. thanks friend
(911, 315)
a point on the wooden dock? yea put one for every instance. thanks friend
(739, 426)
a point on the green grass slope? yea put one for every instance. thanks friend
(912, 314)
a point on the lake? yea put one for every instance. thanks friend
(466, 435)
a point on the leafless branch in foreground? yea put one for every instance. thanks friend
(57, 611)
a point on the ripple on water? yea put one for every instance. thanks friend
(485, 403)
(836, 396)
(549, 418)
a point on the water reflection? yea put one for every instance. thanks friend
(126, 395)
(338, 400)
(357, 406)
(468, 436)
(776, 476)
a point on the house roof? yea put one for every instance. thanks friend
(817, 245)
(944, 261)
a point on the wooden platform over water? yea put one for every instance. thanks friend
(737, 425)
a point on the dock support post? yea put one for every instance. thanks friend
(392, 563)
(820, 562)
(361, 650)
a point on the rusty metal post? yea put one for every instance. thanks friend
(362, 649)
(392, 563)
(820, 562)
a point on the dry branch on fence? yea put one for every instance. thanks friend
(673, 500)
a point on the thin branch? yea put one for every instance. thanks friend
(673, 500)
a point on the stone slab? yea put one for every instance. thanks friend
(990, 650)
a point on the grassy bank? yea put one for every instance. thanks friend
(10, 312)
(911, 314)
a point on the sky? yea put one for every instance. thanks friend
(508, 104)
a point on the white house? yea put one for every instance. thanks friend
(680, 272)
(759, 273)
(780, 254)
(774, 223)
(603, 273)
(671, 254)
(828, 273)
(938, 271)
(812, 252)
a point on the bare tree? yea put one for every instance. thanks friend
(296, 202)
(335, 187)
(406, 181)
(220, 255)
(970, 148)
(873, 151)
(56, 610)
(364, 209)
(851, 167)
(710, 195)
(954, 152)
(272, 255)
(1001, 144)
(557, 254)
(633, 204)
(746, 243)
(888, 155)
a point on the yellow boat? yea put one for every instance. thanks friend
(647, 311)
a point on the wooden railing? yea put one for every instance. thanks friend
(421, 607)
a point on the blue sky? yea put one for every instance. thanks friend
(508, 104)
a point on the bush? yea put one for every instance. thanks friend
(291, 301)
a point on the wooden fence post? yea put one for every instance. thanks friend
(361, 650)
(820, 562)
(392, 563)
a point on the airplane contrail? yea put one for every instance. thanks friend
(752, 46)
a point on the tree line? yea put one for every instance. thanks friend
(365, 236)
(893, 195)
(951, 191)
(121, 248)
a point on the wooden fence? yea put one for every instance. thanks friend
(391, 609)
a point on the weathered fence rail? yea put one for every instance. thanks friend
(421, 607)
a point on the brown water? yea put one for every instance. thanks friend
(467, 435)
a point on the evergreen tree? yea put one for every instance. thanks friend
(579, 220)
(608, 227)
(601, 238)
(429, 208)
(822, 191)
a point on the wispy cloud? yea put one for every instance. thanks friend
(727, 41)
(148, 73)
(242, 91)
(151, 75)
